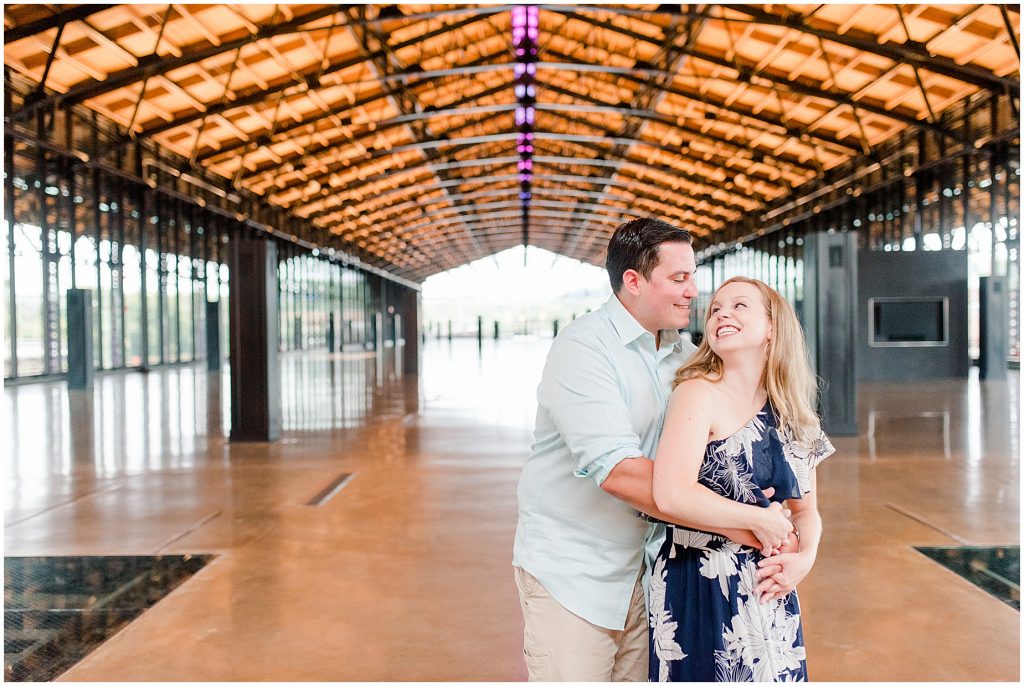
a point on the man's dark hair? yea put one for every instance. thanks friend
(634, 245)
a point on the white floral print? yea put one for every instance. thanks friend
(751, 641)
(803, 456)
(742, 442)
(721, 564)
(663, 627)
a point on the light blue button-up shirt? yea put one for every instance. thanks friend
(601, 399)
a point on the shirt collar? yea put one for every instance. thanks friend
(671, 337)
(629, 329)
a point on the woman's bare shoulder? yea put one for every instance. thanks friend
(696, 385)
(694, 391)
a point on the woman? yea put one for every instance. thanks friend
(740, 420)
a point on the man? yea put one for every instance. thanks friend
(579, 546)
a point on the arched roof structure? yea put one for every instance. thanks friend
(427, 136)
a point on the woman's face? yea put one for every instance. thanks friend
(739, 319)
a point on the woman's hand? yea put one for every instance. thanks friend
(791, 545)
(780, 573)
(772, 527)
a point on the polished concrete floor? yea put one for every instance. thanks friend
(404, 573)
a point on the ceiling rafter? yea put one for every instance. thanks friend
(368, 132)
(401, 98)
(638, 189)
(154, 64)
(691, 191)
(909, 52)
(712, 158)
(439, 162)
(515, 215)
(682, 128)
(313, 81)
(791, 131)
(685, 194)
(462, 210)
(56, 20)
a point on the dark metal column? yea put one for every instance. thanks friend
(830, 325)
(255, 367)
(408, 307)
(213, 335)
(994, 327)
(79, 314)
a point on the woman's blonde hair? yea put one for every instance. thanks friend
(792, 387)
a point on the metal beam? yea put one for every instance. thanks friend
(288, 228)
(747, 73)
(401, 219)
(637, 189)
(472, 210)
(152, 65)
(493, 231)
(480, 222)
(911, 53)
(368, 133)
(438, 163)
(394, 210)
(486, 216)
(313, 80)
(554, 160)
(541, 106)
(673, 123)
(60, 18)
(1009, 30)
(400, 98)
(634, 185)
(698, 97)
(609, 135)
(445, 140)
(694, 178)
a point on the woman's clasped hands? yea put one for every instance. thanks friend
(780, 572)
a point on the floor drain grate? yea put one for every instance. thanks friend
(331, 489)
(58, 609)
(995, 569)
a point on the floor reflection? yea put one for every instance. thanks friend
(169, 417)
(58, 609)
(995, 569)
(492, 383)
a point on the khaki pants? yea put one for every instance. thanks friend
(560, 646)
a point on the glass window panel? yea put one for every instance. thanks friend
(132, 280)
(185, 307)
(8, 315)
(153, 304)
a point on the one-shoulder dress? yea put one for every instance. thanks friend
(706, 621)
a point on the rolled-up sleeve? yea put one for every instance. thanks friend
(582, 395)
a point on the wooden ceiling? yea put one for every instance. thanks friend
(394, 127)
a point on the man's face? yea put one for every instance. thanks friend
(665, 297)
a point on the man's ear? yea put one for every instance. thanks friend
(631, 281)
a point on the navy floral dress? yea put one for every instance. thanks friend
(706, 621)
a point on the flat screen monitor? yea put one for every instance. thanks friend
(908, 322)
